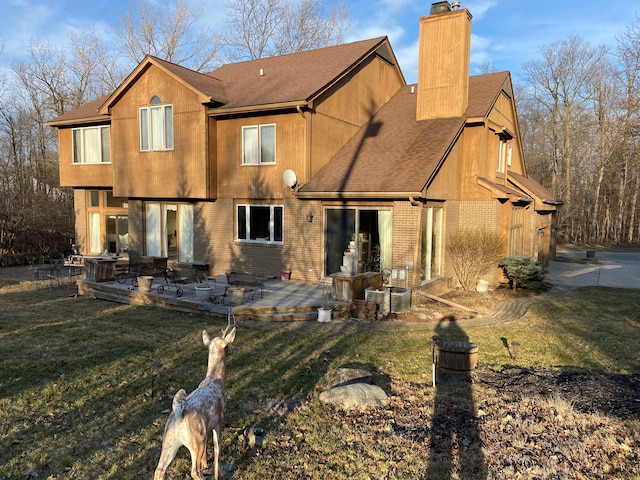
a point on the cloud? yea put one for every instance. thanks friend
(479, 8)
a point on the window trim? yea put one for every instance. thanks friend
(247, 226)
(259, 129)
(502, 155)
(104, 152)
(147, 143)
(431, 238)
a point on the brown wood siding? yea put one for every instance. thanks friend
(178, 173)
(457, 179)
(212, 152)
(348, 106)
(260, 181)
(443, 73)
(80, 175)
(504, 114)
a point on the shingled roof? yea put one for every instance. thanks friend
(287, 79)
(534, 189)
(297, 77)
(88, 113)
(394, 154)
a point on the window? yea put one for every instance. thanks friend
(156, 126)
(431, 248)
(502, 154)
(260, 223)
(169, 231)
(91, 145)
(107, 223)
(258, 144)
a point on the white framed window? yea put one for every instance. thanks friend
(169, 231)
(259, 144)
(259, 223)
(91, 144)
(502, 155)
(156, 126)
(431, 240)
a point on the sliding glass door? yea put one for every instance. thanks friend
(369, 229)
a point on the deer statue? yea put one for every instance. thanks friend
(201, 411)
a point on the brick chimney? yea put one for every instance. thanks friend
(443, 63)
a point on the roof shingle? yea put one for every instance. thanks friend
(289, 78)
(395, 153)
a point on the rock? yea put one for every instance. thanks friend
(356, 396)
(347, 376)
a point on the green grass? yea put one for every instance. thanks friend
(76, 396)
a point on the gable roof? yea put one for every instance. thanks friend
(394, 154)
(295, 78)
(209, 89)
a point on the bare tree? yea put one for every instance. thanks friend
(172, 34)
(558, 82)
(628, 55)
(306, 26)
(264, 28)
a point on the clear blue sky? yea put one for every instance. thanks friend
(506, 33)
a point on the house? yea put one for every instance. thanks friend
(285, 163)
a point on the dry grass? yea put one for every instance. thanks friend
(76, 396)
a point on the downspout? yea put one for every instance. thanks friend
(414, 202)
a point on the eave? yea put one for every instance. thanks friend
(504, 192)
(100, 119)
(223, 112)
(140, 70)
(357, 195)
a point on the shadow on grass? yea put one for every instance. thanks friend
(455, 446)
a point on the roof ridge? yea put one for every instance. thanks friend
(302, 52)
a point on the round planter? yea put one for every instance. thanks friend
(457, 355)
(285, 275)
(324, 315)
(236, 295)
(144, 283)
(203, 293)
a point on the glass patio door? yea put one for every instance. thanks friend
(340, 228)
(370, 228)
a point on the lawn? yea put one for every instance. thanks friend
(78, 398)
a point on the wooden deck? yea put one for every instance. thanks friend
(282, 301)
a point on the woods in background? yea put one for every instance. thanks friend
(579, 111)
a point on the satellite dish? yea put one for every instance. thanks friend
(290, 178)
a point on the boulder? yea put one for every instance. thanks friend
(356, 396)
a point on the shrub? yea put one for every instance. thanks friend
(473, 252)
(523, 271)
